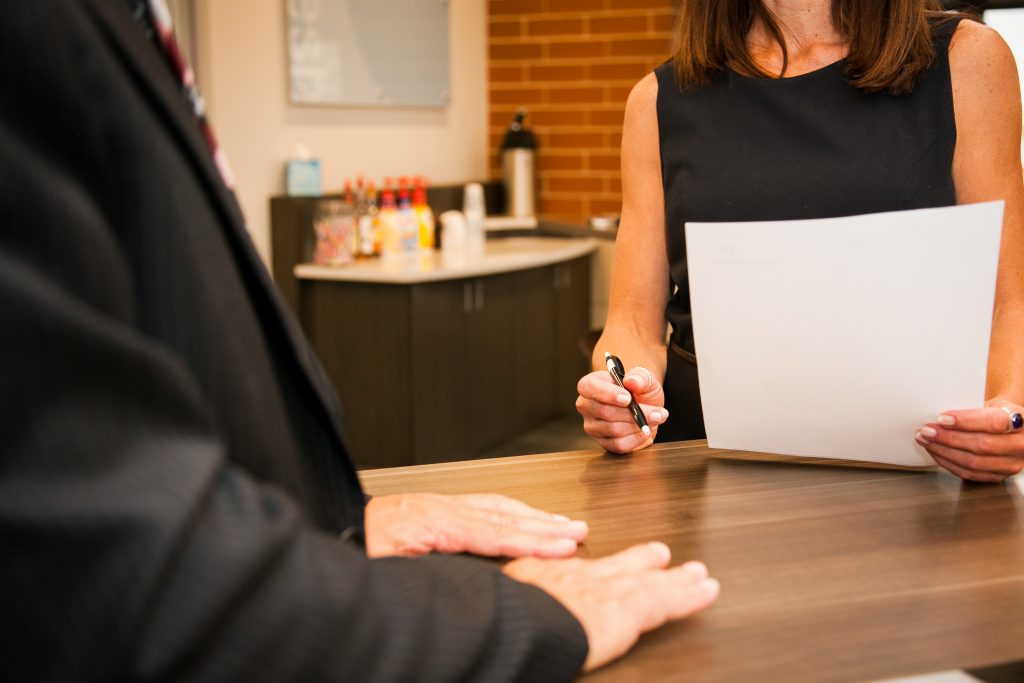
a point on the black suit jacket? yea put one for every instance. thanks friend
(173, 477)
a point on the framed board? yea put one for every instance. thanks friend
(368, 52)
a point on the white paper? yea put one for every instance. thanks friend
(839, 338)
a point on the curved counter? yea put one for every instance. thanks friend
(439, 359)
(501, 255)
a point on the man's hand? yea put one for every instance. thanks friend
(618, 598)
(978, 444)
(482, 524)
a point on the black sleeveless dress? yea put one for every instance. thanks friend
(810, 146)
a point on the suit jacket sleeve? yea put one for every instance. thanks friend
(131, 548)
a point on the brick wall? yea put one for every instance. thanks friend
(572, 63)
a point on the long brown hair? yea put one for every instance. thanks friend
(890, 40)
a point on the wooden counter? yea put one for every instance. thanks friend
(829, 573)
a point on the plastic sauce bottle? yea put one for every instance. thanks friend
(366, 210)
(387, 222)
(408, 227)
(424, 216)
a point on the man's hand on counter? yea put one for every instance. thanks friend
(620, 597)
(482, 524)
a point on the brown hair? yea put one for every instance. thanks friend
(890, 40)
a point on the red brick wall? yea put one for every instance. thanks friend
(572, 63)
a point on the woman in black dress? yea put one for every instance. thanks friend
(791, 109)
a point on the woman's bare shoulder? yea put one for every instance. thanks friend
(979, 58)
(642, 104)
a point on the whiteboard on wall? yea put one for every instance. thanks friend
(368, 52)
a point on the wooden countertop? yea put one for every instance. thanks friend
(501, 255)
(828, 572)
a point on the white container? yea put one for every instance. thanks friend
(453, 238)
(475, 210)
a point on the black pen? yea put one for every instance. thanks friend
(618, 374)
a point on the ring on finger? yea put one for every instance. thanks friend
(1016, 420)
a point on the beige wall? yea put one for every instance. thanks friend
(243, 76)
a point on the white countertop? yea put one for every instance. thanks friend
(500, 256)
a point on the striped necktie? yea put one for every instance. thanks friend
(155, 19)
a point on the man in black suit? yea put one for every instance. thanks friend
(176, 501)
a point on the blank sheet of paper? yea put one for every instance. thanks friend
(839, 338)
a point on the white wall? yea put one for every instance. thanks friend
(243, 76)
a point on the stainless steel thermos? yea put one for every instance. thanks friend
(517, 163)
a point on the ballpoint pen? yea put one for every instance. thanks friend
(618, 374)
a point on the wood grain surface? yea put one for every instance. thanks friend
(829, 572)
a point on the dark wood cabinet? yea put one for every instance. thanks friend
(441, 371)
(572, 321)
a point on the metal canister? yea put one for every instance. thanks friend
(518, 151)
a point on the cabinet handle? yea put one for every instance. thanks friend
(563, 277)
(467, 297)
(479, 295)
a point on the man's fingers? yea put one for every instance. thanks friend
(500, 540)
(688, 594)
(638, 558)
(991, 420)
(500, 521)
(511, 506)
(524, 544)
(661, 595)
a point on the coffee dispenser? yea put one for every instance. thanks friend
(518, 150)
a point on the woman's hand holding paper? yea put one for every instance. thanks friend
(981, 444)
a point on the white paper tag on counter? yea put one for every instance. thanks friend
(839, 338)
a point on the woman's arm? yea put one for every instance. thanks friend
(635, 327)
(987, 166)
(974, 444)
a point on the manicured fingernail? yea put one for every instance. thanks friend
(623, 399)
(928, 433)
(710, 586)
(656, 416)
(920, 439)
(561, 518)
(946, 420)
(579, 527)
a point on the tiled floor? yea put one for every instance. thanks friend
(564, 433)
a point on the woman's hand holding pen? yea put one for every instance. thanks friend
(982, 444)
(606, 416)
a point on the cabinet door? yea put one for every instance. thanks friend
(441, 372)
(491, 361)
(533, 335)
(572, 322)
(361, 334)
